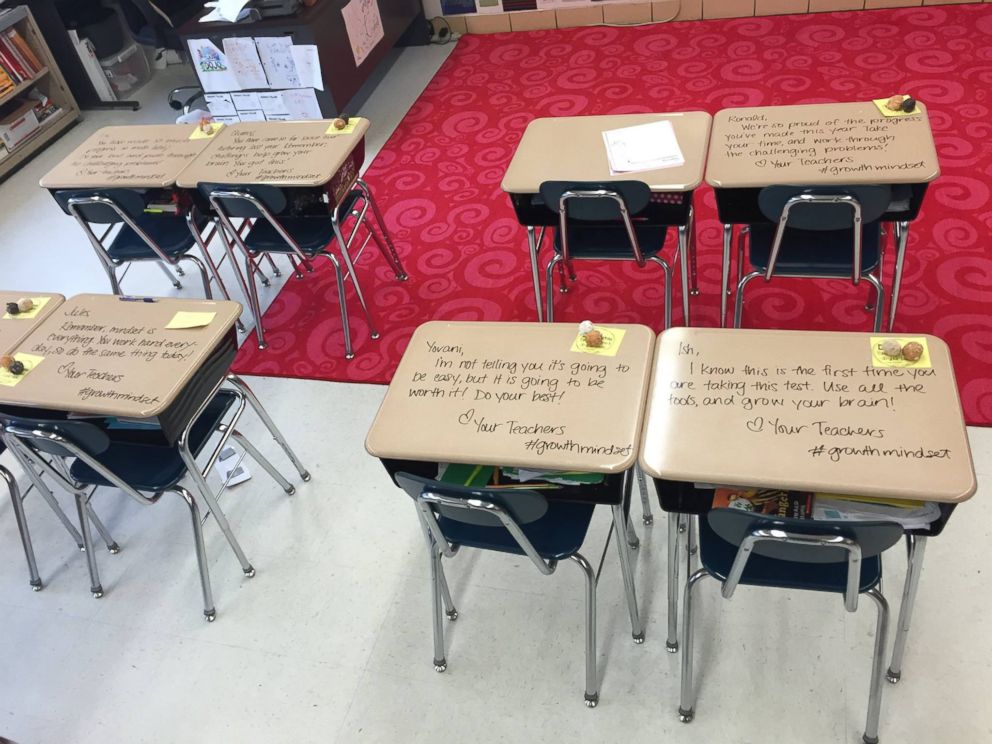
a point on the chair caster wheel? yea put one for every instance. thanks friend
(97, 592)
(452, 616)
(36, 586)
(686, 716)
(249, 572)
(592, 700)
(672, 647)
(639, 639)
(306, 476)
(893, 677)
(291, 490)
(648, 520)
(440, 665)
(114, 549)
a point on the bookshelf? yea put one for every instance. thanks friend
(47, 80)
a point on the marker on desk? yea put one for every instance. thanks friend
(127, 298)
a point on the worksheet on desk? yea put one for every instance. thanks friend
(644, 147)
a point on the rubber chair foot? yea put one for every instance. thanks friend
(694, 292)
(249, 572)
(350, 356)
(452, 615)
(634, 544)
(36, 586)
(440, 665)
(592, 700)
(648, 520)
(291, 490)
(306, 476)
(402, 277)
(893, 677)
(263, 346)
(869, 739)
(96, 591)
(686, 716)
(114, 548)
(210, 615)
(639, 638)
(672, 647)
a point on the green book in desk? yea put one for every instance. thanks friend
(474, 476)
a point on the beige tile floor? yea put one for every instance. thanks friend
(330, 642)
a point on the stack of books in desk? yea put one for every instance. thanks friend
(18, 62)
(487, 476)
(836, 507)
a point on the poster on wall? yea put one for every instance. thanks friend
(364, 26)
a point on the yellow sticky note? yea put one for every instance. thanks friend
(880, 359)
(200, 134)
(348, 128)
(185, 319)
(30, 361)
(880, 104)
(39, 303)
(611, 342)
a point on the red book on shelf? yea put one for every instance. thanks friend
(14, 53)
(7, 63)
(13, 60)
(25, 49)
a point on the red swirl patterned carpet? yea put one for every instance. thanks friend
(438, 181)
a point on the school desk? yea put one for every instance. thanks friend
(822, 144)
(811, 411)
(571, 148)
(14, 328)
(519, 395)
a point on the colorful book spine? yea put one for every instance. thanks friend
(25, 49)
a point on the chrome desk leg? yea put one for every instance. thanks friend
(350, 267)
(260, 411)
(902, 238)
(915, 547)
(684, 270)
(96, 589)
(672, 642)
(592, 677)
(440, 662)
(627, 569)
(646, 516)
(263, 461)
(209, 612)
(728, 236)
(22, 528)
(693, 283)
(687, 699)
(877, 664)
(165, 270)
(535, 271)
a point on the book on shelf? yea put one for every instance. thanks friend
(771, 501)
(24, 48)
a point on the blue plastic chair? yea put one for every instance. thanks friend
(597, 221)
(738, 547)
(520, 522)
(816, 233)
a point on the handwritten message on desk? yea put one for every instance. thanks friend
(128, 156)
(514, 394)
(102, 355)
(805, 410)
(276, 153)
(819, 144)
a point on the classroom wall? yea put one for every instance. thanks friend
(662, 11)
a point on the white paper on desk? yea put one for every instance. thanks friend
(212, 67)
(644, 147)
(307, 62)
(243, 58)
(277, 59)
(252, 115)
(273, 105)
(246, 101)
(225, 10)
(364, 26)
(302, 104)
(220, 104)
(229, 119)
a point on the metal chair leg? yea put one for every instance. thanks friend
(877, 666)
(693, 284)
(22, 528)
(739, 299)
(549, 315)
(349, 352)
(879, 301)
(108, 539)
(350, 266)
(272, 265)
(393, 258)
(684, 269)
(674, 522)
(440, 662)
(902, 239)
(728, 237)
(96, 589)
(204, 274)
(48, 496)
(626, 568)
(449, 606)
(646, 516)
(687, 699)
(253, 304)
(668, 288)
(535, 271)
(592, 676)
(915, 548)
(209, 612)
(261, 460)
(165, 270)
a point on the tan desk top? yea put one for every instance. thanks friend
(147, 156)
(275, 153)
(515, 394)
(109, 357)
(819, 144)
(16, 329)
(571, 148)
(732, 407)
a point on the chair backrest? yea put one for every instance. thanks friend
(240, 201)
(101, 206)
(823, 207)
(595, 201)
(485, 507)
(802, 541)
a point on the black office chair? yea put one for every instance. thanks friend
(519, 522)
(816, 233)
(598, 221)
(739, 547)
(275, 230)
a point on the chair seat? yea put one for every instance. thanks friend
(825, 253)
(610, 241)
(558, 534)
(717, 556)
(151, 466)
(169, 232)
(312, 234)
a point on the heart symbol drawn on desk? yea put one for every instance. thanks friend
(756, 424)
(760, 163)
